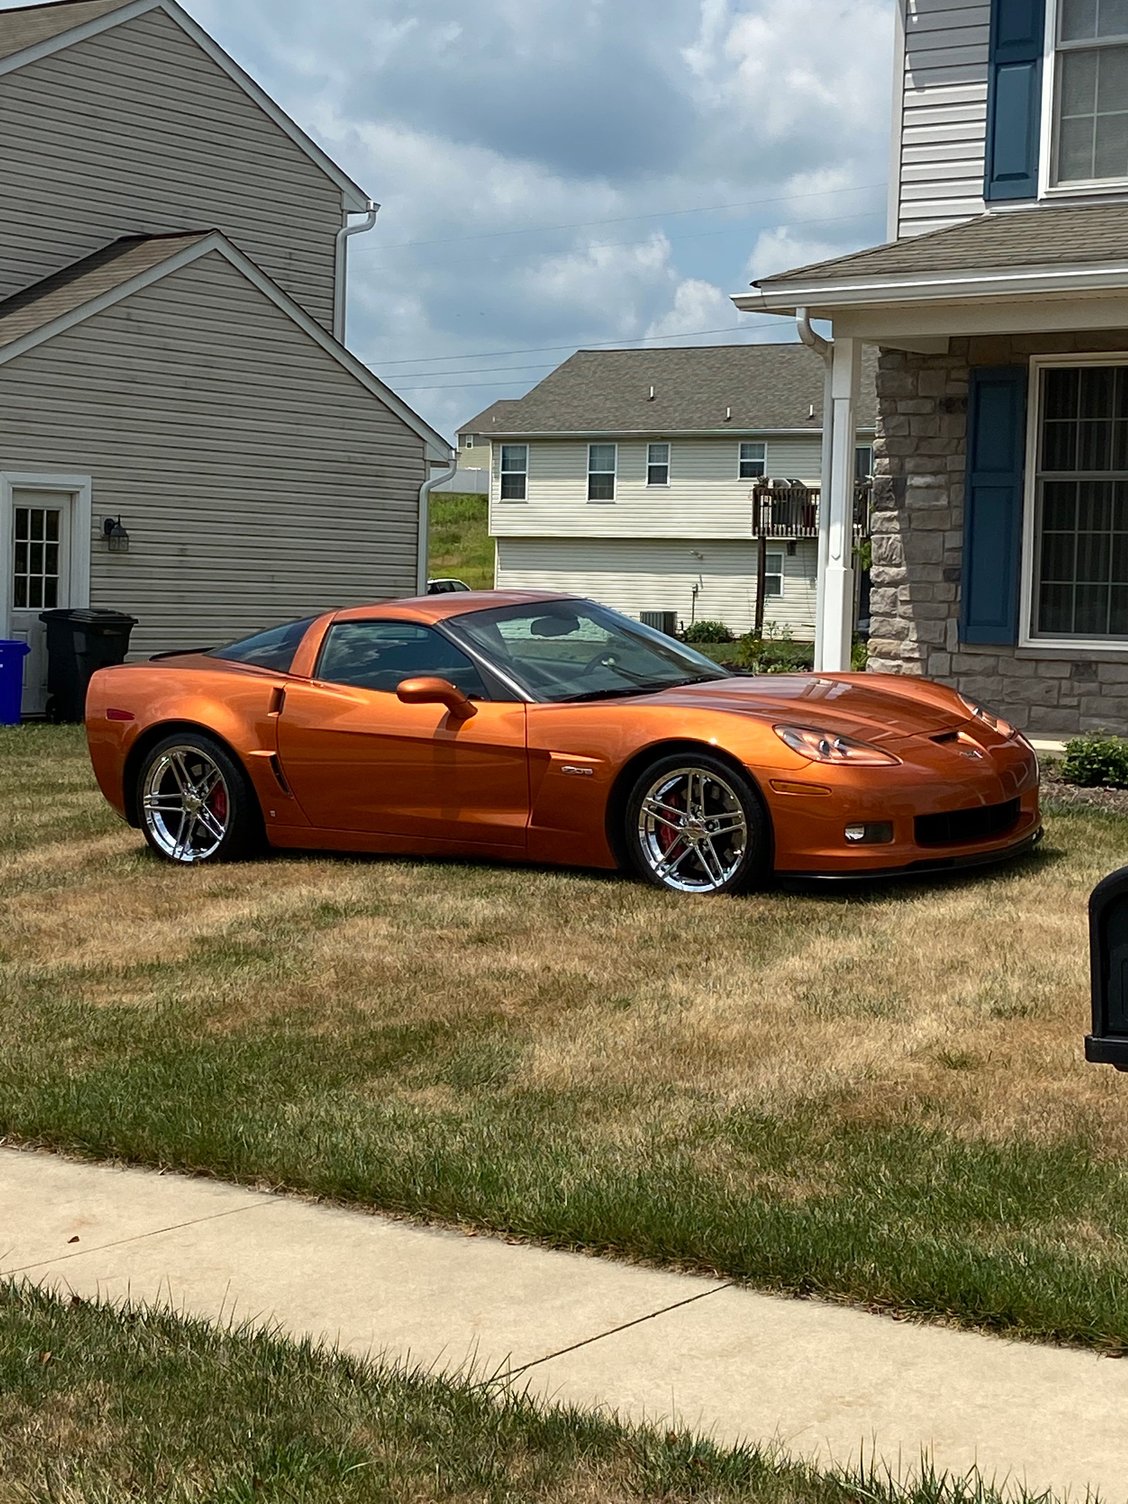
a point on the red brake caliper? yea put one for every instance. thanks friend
(218, 804)
(667, 838)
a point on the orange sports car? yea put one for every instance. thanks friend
(541, 728)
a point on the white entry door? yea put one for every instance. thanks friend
(40, 565)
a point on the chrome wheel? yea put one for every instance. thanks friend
(692, 830)
(186, 804)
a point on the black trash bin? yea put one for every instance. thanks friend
(79, 642)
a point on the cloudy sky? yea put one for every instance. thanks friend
(558, 173)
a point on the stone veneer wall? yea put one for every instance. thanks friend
(920, 461)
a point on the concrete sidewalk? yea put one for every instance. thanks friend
(823, 1382)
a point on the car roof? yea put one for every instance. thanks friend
(440, 607)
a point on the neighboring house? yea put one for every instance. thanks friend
(474, 439)
(172, 293)
(632, 476)
(472, 477)
(1000, 518)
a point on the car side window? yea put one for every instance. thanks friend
(381, 654)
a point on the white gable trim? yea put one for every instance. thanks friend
(437, 448)
(354, 198)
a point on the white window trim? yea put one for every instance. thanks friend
(513, 501)
(81, 520)
(739, 460)
(604, 501)
(660, 485)
(1047, 188)
(1083, 646)
(780, 573)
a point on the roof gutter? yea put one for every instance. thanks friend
(932, 287)
(425, 490)
(340, 301)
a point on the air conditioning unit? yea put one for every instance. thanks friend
(661, 621)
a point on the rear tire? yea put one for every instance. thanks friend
(695, 825)
(196, 803)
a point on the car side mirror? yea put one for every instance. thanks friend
(1108, 971)
(434, 691)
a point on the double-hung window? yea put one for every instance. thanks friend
(773, 575)
(601, 472)
(1080, 505)
(753, 460)
(514, 472)
(657, 464)
(1091, 92)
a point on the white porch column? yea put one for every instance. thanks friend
(824, 512)
(837, 637)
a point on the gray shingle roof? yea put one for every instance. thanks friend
(32, 24)
(483, 422)
(1045, 235)
(608, 391)
(85, 280)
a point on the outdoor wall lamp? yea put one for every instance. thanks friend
(117, 539)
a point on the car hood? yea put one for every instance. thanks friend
(870, 709)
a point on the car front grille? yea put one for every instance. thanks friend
(962, 826)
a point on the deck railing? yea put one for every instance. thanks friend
(793, 511)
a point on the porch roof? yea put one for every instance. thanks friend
(1046, 235)
(1045, 267)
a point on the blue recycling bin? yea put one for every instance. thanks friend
(12, 655)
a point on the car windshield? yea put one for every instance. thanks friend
(577, 650)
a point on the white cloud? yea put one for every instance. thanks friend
(780, 250)
(697, 306)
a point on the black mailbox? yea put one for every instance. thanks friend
(1108, 971)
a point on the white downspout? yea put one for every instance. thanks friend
(425, 520)
(340, 301)
(825, 348)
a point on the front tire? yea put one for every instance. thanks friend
(696, 825)
(196, 803)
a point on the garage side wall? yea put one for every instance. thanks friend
(258, 480)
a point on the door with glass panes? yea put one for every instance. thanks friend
(40, 580)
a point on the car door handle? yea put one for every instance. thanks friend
(277, 700)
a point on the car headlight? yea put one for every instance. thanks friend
(978, 713)
(831, 747)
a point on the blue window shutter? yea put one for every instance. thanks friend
(1014, 99)
(996, 454)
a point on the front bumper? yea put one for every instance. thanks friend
(936, 865)
(810, 811)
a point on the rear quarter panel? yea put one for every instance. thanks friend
(131, 706)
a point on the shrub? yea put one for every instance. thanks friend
(1096, 760)
(774, 654)
(708, 631)
(859, 656)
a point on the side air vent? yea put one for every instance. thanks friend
(661, 621)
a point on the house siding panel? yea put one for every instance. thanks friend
(943, 115)
(660, 575)
(258, 480)
(136, 131)
(705, 497)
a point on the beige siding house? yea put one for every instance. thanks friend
(637, 477)
(171, 300)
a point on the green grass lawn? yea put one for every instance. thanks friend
(878, 1097)
(460, 543)
(104, 1407)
